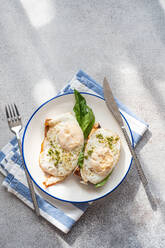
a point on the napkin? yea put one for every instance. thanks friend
(61, 214)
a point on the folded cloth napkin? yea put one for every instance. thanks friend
(62, 215)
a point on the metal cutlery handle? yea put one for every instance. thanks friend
(137, 162)
(140, 172)
(30, 184)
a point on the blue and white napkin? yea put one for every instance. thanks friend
(62, 215)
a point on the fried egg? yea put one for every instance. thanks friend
(61, 147)
(101, 154)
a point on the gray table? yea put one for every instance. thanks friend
(44, 43)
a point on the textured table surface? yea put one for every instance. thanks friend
(42, 45)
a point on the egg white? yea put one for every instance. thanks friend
(100, 156)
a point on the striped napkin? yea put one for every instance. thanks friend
(62, 215)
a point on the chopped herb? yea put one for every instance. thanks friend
(56, 163)
(90, 152)
(110, 141)
(57, 152)
(111, 146)
(50, 151)
(86, 157)
(55, 155)
(99, 136)
(51, 144)
(81, 159)
(117, 138)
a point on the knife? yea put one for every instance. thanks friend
(112, 106)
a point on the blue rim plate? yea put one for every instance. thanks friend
(42, 189)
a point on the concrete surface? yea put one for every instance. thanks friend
(42, 45)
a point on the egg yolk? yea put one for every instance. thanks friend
(101, 160)
(70, 136)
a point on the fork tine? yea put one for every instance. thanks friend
(17, 112)
(10, 112)
(13, 110)
(7, 113)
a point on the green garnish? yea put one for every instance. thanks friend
(50, 151)
(102, 183)
(86, 157)
(90, 152)
(81, 159)
(55, 155)
(51, 143)
(99, 136)
(84, 114)
(56, 163)
(85, 118)
(110, 141)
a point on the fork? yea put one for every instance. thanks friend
(15, 125)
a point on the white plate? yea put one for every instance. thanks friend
(71, 190)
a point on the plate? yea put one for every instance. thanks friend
(71, 190)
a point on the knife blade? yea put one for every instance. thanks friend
(112, 106)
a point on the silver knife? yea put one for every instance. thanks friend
(112, 106)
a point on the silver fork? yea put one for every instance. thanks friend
(15, 125)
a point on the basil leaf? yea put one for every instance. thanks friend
(84, 114)
(85, 118)
(81, 159)
(102, 183)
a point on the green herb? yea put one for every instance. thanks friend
(84, 114)
(99, 136)
(51, 143)
(50, 151)
(102, 183)
(90, 152)
(110, 141)
(81, 159)
(57, 158)
(56, 163)
(102, 141)
(86, 157)
(55, 155)
(117, 138)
